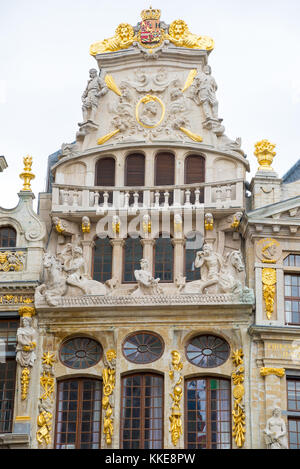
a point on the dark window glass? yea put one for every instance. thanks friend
(292, 298)
(133, 253)
(192, 246)
(195, 173)
(8, 365)
(80, 353)
(293, 399)
(164, 259)
(293, 260)
(207, 351)
(135, 170)
(143, 347)
(165, 174)
(78, 415)
(208, 414)
(8, 237)
(142, 412)
(102, 261)
(105, 172)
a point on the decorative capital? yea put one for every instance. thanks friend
(27, 175)
(264, 152)
(26, 311)
(280, 372)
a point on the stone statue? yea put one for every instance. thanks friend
(275, 432)
(95, 88)
(147, 285)
(26, 343)
(204, 93)
(220, 274)
(65, 272)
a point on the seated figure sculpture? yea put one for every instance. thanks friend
(65, 275)
(147, 285)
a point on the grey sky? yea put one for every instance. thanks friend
(44, 63)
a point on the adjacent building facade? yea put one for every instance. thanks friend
(153, 302)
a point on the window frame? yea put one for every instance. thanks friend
(142, 406)
(155, 275)
(12, 229)
(132, 263)
(207, 378)
(111, 260)
(79, 409)
(292, 271)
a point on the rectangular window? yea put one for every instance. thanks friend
(293, 399)
(8, 365)
(292, 298)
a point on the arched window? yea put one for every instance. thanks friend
(8, 237)
(208, 413)
(78, 414)
(164, 259)
(195, 173)
(142, 411)
(105, 172)
(133, 253)
(102, 260)
(135, 170)
(135, 173)
(192, 246)
(165, 173)
(105, 175)
(8, 366)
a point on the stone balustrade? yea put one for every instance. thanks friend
(226, 194)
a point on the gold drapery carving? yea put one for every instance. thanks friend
(11, 261)
(265, 371)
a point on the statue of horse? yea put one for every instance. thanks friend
(56, 283)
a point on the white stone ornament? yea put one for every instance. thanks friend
(147, 285)
(275, 433)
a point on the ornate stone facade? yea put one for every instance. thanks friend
(160, 276)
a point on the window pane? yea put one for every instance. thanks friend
(133, 253)
(142, 412)
(102, 265)
(164, 259)
(8, 237)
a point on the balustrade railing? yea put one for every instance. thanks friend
(224, 194)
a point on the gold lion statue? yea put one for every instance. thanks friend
(180, 35)
(123, 38)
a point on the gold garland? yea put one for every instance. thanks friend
(175, 417)
(238, 413)
(109, 380)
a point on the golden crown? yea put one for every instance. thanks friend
(150, 14)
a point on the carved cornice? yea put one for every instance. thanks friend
(147, 300)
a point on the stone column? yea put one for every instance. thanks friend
(179, 244)
(148, 253)
(87, 247)
(117, 258)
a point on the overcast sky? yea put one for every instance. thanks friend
(44, 64)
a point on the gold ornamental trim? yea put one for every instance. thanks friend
(269, 281)
(107, 137)
(175, 417)
(147, 99)
(27, 311)
(280, 372)
(111, 84)
(25, 379)
(191, 135)
(109, 381)
(27, 175)
(190, 79)
(238, 413)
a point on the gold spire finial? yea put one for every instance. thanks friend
(27, 175)
(264, 152)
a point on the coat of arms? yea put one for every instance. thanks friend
(150, 34)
